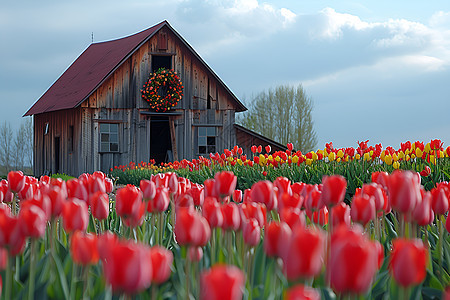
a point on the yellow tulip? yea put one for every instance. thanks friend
(419, 152)
(270, 157)
(382, 155)
(338, 159)
(340, 153)
(278, 158)
(325, 152)
(331, 156)
(433, 159)
(395, 157)
(295, 159)
(427, 148)
(408, 157)
(314, 156)
(239, 161)
(396, 165)
(388, 160)
(366, 156)
(309, 161)
(401, 155)
(357, 156)
(413, 156)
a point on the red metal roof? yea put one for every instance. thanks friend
(88, 71)
(96, 64)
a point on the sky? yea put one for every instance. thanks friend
(375, 70)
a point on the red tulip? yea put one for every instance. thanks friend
(237, 196)
(83, 247)
(11, 236)
(57, 199)
(212, 212)
(353, 261)
(268, 149)
(283, 185)
(128, 202)
(105, 242)
(341, 215)
(96, 183)
(301, 292)
(99, 205)
(172, 182)
(289, 201)
(318, 217)
(209, 188)
(439, 201)
(191, 228)
(290, 146)
(197, 193)
(225, 183)
(16, 181)
(253, 149)
(75, 215)
(109, 185)
(77, 189)
(148, 189)
(231, 216)
(161, 262)
(128, 267)
(408, 261)
(422, 213)
(33, 221)
(160, 202)
(304, 254)
(222, 282)
(254, 210)
(363, 209)
(275, 236)
(425, 172)
(263, 192)
(373, 190)
(293, 217)
(136, 220)
(251, 232)
(333, 190)
(184, 200)
(404, 191)
(195, 253)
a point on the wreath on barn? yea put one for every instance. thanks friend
(163, 90)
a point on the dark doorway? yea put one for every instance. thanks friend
(160, 144)
(161, 61)
(57, 154)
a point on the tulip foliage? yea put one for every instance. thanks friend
(363, 229)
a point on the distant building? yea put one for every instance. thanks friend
(93, 117)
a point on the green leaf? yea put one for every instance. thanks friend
(61, 276)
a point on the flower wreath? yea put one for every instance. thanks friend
(163, 90)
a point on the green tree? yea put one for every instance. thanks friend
(284, 115)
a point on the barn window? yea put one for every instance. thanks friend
(109, 137)
(206, 140)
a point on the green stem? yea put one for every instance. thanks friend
(86, 282)
(73, 281)
(9, 277)
(188, 274)
(440, 245)
(32, 269)
(161, 227)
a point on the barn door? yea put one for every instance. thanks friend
(160, 139)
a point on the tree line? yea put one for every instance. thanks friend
(16, 147)
(283, 114)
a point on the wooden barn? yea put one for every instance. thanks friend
(94, 117)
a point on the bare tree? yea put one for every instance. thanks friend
(19, 145)
(284, 115)
(29, 136)
(6, 146)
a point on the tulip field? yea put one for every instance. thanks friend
(348, 223)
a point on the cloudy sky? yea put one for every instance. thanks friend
(377, 70)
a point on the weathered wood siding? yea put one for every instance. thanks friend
(70, 142)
